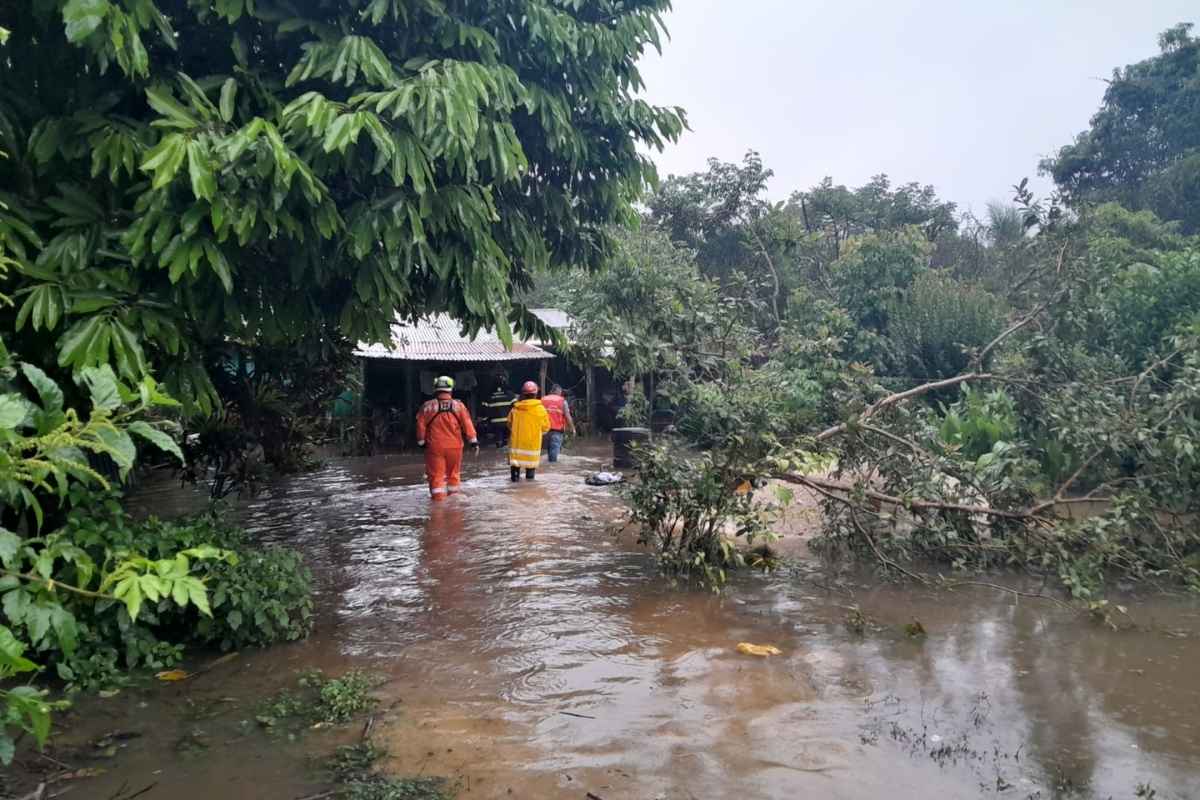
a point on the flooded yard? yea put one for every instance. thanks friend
(528, 652)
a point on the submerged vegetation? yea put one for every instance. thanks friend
(353, 767)
(319, 700)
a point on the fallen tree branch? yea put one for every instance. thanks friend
(900, 440)
(977, 374)
(1023, 321)
(942, 582)
(814, 482)
(830, 488)
(887, 562)
(900, 397)
(1009, 590)
(1059, 496)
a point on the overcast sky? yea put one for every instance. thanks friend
(963, 94)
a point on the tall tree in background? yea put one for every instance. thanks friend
(184, 173)
(1143, 147)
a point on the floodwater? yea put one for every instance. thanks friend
(528, 652)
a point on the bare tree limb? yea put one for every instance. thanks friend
(900, 440)
(814, 482)
(831, 489)
(949, 585)
(1060, 495)
(901, 397)
(762, 249)
(1147, 372)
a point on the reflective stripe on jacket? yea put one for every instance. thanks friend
(443, 423)
(556, 407)
(527, 421)
(496, 407)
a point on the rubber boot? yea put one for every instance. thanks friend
(529, 474)
(516, 474)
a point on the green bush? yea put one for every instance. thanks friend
(636, 411)
(263, 599)
(257, 598)
(978, 422)
(51, 587)
(317, 699)
(686, 507)
(933, 329)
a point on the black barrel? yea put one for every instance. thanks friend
(623, 441)
(661, 420)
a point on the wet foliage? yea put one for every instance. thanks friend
(260, 597)
(693, 523)
(1052, 432)
(317, 700)
(299, 176)
(379, 787)
(55, 588)
(353, 768)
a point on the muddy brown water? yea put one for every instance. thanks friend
(527, 652)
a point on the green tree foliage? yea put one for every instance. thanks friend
(186, 173)
(875, 271)
(709, 212)
(785, 251)
(935, 326)
(964, 382)
(652, 312)
(841, 213)
(1143, 146)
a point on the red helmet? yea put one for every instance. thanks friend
(529, 387)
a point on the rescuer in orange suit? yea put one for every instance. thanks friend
(442, 424)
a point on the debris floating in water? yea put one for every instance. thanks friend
(604, 478)
(745, 648)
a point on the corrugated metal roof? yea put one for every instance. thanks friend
(439, 338)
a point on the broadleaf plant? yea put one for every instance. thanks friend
(184, 174)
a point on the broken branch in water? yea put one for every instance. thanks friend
(55, 761)
(225, 659)
(141, 792)
(942, 582)
(830, 488)
(573, 714)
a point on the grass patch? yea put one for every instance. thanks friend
(377, 787)
(353, 761)
(319, 700)
(352, 767)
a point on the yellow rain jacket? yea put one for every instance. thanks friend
(527, 422)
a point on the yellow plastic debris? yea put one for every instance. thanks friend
(173, 675)
(745, 648)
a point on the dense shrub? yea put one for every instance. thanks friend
(260, 597)
(938, 324)
(978, 422)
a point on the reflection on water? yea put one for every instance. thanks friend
(529, 651)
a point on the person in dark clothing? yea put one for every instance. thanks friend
(494, 412)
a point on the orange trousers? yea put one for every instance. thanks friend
(442, 467)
